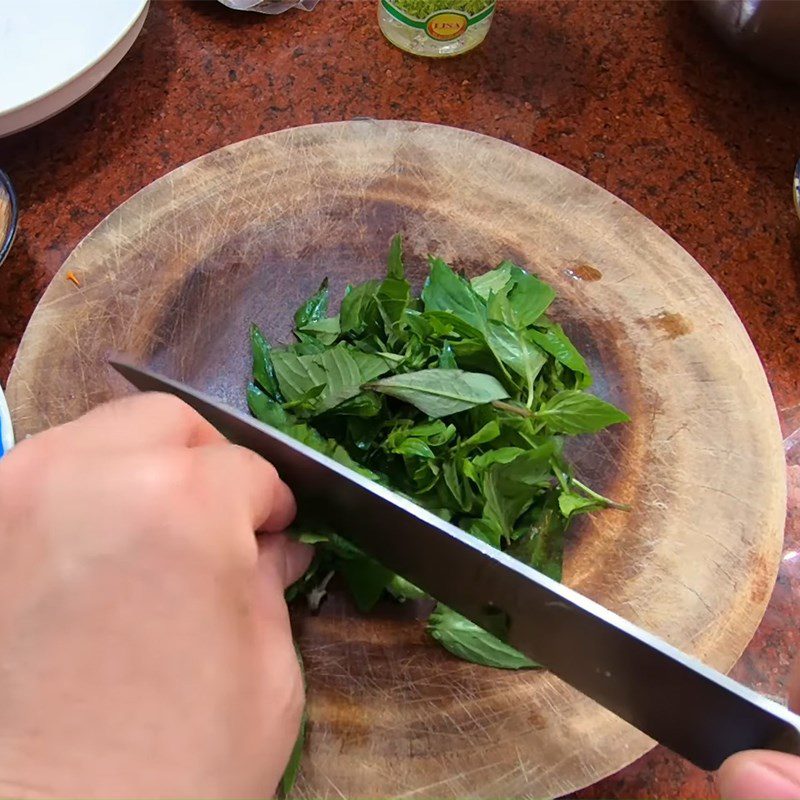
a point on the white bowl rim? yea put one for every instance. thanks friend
(53, 100)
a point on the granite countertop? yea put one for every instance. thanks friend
(638, 97)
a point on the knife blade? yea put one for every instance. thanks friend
(690, 708)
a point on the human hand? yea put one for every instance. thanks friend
(763, 774)
(145, 642)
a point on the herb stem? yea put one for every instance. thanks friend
(317, 594)
(510, 408)
(599, 497)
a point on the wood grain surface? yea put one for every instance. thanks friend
(177, 273)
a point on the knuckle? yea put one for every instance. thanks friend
(202, 511)
(170, 506)
(163, 482)
(166, 406)
(256, 463)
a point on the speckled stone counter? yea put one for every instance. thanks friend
(637, 96)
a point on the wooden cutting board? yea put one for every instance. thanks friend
(176, 275)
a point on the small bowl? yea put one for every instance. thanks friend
(9, 214)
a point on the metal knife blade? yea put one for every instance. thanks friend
(695, 711)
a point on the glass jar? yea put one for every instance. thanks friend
(435, 28)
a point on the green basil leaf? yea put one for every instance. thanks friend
(393, 298)
(289, 777)
(314, 309)
(264, 408)
(446, 291)
(359, 311)
(441, 392)
(436, 431)
(414, 447)
(365, 404)
(296, 376)
(324, 330)
(371, 365)
(571, 504)
(574, 411)
(306, 401)
(363, 432)
(312, 538)
(447, 359)
(515, 349)
(447, 323)
(510, 488)
(553, 340)
(527, 299)
(502, 455)
(496, 281)
(424, 473)
(488, 433)
(272, 413)
(366, 579)
(340, 370)
(343, 548)
(542, 544)
(395, 268)
(487, 531)
(471, 643)
(402, 589)
(340, 454)
(263, 371)
(422, 326)
(513, 295)
(343, 375)
(307, 345)
(457, 492)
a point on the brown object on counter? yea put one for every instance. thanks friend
(640, 97)
(8, 216)
(766, 31)
(174, 282)
(5, 214)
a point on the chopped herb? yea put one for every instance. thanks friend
(458, 399)
(421, 9)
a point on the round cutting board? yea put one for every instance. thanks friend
(175, 276)
(53, 52)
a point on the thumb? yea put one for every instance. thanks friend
(282, 559)
(759, 774)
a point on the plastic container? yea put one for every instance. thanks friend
(435, 28)
(6, 431)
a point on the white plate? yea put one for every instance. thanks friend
(52, 52)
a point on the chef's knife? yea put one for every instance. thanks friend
(692, 709)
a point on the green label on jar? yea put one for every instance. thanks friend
(442, 20)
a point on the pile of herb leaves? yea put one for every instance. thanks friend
(459, 399)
